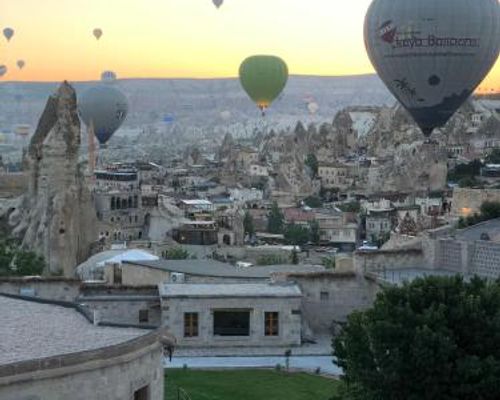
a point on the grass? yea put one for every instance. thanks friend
(248, 385)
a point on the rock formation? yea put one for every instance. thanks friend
(56, 217)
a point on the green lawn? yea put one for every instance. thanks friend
(248, 385)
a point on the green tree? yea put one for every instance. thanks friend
(296, 234)
(248, 224)
(353, 207)
(276, 220)
(28, 263)
(177, 253)
(493, 157)
(314, 232)
(312, 162)
(313, 202)
(294, 257)
(434, 338)
(490, 210)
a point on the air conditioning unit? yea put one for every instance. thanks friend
(177, 277)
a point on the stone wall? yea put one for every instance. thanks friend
(112, 373)
(486, 260)
(61, 289)
(124, 310)
(13, 184)
(389, 259)
(289, 321)
(332, 297)
(468, 201)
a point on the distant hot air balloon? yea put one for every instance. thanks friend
(168, 119)
(103, 108)
(20, 64)
(225, 115)
(108, 77)
(313, 107)
(8, 33)
(432, 54)
(3, 70)
(218, 3)
(97, 33)
(263, 78)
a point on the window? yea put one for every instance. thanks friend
(324, 296)
(143, 316)
(142, 393)
(271, 324)
(232, 323)
(190, 324)
(117, 275)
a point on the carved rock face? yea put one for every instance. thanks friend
(58, 215)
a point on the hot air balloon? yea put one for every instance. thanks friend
(3, 70)
(169, 119)
(432, 54)
(20, 64)
(263, 78)
(108, 77)
(8, 33)
(313, 107)
(103, 109)
(217, 3)
(97, 33)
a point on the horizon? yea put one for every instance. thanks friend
(184, 39)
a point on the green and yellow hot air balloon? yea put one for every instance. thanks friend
(263, 78)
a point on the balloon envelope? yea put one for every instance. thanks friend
(263, 78)
(3, 70)
(108, 77)
(225, 115)
(168, 119)
(97, 33)
(313, 107)
(8, 33)
(432, 54)
(103, 108)
(21, 64)
(218, 3)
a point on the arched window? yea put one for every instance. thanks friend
(136, 201)
(113, 203)
(124, 203)
(130, 202)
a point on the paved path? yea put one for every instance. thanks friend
(309, 363)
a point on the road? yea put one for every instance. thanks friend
(309, 363)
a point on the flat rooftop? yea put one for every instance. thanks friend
(222, 270)
(31, 330)
(228, 290)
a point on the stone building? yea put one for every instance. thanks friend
(55, 353)
(335, 176)
(221, 315)
(118, 201)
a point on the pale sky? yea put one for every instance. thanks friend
(183, 38)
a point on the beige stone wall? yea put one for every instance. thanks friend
(13, 184)
(133, 275)
(331, 297)
(392, 259)
(111, 374)
(48, 288)
(468, 201)
(289, 323)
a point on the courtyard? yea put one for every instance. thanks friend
(247, 385)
